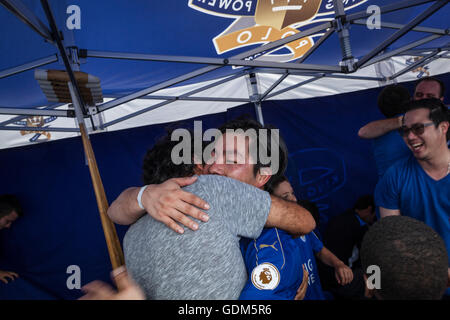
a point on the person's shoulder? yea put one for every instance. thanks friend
(205, 183)
(220, 181)
(208, 178)
(312, 237)
(269, 233)
(228, 188)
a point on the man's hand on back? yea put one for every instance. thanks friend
(169, 204)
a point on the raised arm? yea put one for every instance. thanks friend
(378, 128)
(289, 216)
(165, 202)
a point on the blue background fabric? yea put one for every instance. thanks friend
(328, 164)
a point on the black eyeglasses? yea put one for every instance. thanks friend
(417, 128)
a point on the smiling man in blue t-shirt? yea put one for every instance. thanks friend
(419, 186)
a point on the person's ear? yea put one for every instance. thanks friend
(444, 126)
(368, 293)
(263, 176)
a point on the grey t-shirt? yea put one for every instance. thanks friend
(202, 264)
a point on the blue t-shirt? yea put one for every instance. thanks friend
(407, 187)
(388, 149)
(277, 253)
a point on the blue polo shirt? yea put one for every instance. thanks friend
(286, 256)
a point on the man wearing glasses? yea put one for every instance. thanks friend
(388, 147)
(419, 186)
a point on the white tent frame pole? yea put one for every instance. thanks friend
(402, 49)
(28, 66)
(390, 25)
(152, 97)
(274, 85)
(195, 91)
(152, 89)
(254, 96)
(421, 52)
(317, 44)
(201, 71)
(63, 54)
(21, 11)
(211, 61)
(388, 8)
(343, 33)
(259, 113)
(20, 118)
(45, 129)
(420, 18)
(35, 112)
(215, 83)
(313, 74)
(294, 86)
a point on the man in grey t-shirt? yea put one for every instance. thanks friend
(203, 264)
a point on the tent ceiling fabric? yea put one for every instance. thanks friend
(202, 32)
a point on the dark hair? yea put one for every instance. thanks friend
(245, 124)
(312, 208)
(8, 204)
(273, 183)
(158, 165)
(411, 256)
(364, 202)
(429, 79)
(438, 110)
(392, 100)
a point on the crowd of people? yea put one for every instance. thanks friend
(231, 227)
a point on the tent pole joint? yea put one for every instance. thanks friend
(342, 28)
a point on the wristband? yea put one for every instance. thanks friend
(139, 197)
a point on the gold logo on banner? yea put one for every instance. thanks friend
(420, 70)
(36, 122)
(272, 20)
(263, 21)
(282, 13)
(262, 34)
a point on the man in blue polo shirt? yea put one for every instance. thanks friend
(419, 186)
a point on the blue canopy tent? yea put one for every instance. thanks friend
(314, 73)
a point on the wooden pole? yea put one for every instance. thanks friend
(112, 240)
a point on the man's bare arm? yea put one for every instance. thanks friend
(289, 216)
(378, 128)
(389, 212)
(125, 209)
(165, 202)
(343, 274)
